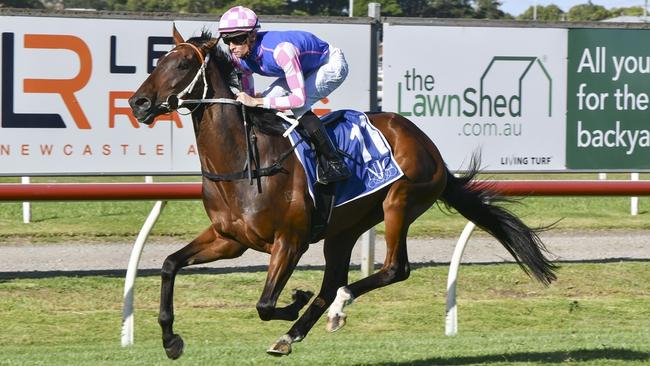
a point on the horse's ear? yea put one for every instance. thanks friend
(178, 39)
(210, 44)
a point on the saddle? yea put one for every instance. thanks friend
(366, 153)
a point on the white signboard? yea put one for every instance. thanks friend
(65, 83)
(498, 90)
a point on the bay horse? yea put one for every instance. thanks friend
(277, 220)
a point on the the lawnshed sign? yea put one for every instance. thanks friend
(499, 90)
(66, 81)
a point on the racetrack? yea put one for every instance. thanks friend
(63, 310)
(24, 258)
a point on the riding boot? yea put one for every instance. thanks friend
(331, 166)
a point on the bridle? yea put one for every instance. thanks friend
(175, 101)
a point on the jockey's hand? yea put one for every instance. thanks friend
(249, 101)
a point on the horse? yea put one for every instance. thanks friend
(276, 216)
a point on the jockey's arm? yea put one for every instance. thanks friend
(286, 56)
(248, 86)
(247, 80)
(248, 83)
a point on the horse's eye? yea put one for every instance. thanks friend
(184, 65)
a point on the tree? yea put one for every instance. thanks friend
(267, 7)
(635, 11)
(198, 6)
(549, 13)
(588, 12)
(413, 8)
(449, 9)
(488, 9)
(316, 7)
(30, 4)
(388, 7)
(87, 4)
(150, 5)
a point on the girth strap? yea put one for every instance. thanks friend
(273, 169)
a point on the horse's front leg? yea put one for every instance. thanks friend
(207, 247)
(284, 258)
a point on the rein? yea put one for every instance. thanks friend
(175, 101)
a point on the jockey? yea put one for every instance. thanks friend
(308, 69)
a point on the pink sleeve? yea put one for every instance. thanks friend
(247, 80)
(248, 83)
(286, 55)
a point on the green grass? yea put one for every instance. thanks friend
(121, 220)
(595, 314)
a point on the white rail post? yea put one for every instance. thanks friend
(368, 252)
(368, 238)
(27, 209)
(451, 312)
(132, 272)
(634, 201)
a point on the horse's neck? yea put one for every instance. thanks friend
(220, 131)
(221, 139)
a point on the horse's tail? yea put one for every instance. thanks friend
(476, 201)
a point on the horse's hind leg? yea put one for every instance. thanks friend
(400, 209)
(207, 247)
(395, 268)
(337, 252)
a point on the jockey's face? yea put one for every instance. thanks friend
(241, 47)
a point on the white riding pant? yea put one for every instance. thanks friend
(318, 85)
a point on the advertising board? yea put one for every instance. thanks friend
(608, 116)
(498, 90)
(65, 83)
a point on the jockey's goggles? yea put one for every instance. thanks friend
(237, 39)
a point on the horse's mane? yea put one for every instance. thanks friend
(211, 45)
(264, 119)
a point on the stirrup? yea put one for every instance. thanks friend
(336, 172)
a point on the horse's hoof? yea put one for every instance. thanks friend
(336, 322)
(174, 348)
(280, 348)
(301, 297)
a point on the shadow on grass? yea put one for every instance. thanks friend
(557, 357)
(4, 276)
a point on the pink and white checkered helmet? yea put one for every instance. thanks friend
(238, 20)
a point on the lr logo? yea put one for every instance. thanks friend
(64, 87)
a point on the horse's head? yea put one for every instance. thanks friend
(176, 75)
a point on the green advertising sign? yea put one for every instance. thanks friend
(608, 102)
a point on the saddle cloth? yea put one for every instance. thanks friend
(369, 157)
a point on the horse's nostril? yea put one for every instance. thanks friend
(140, 103)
